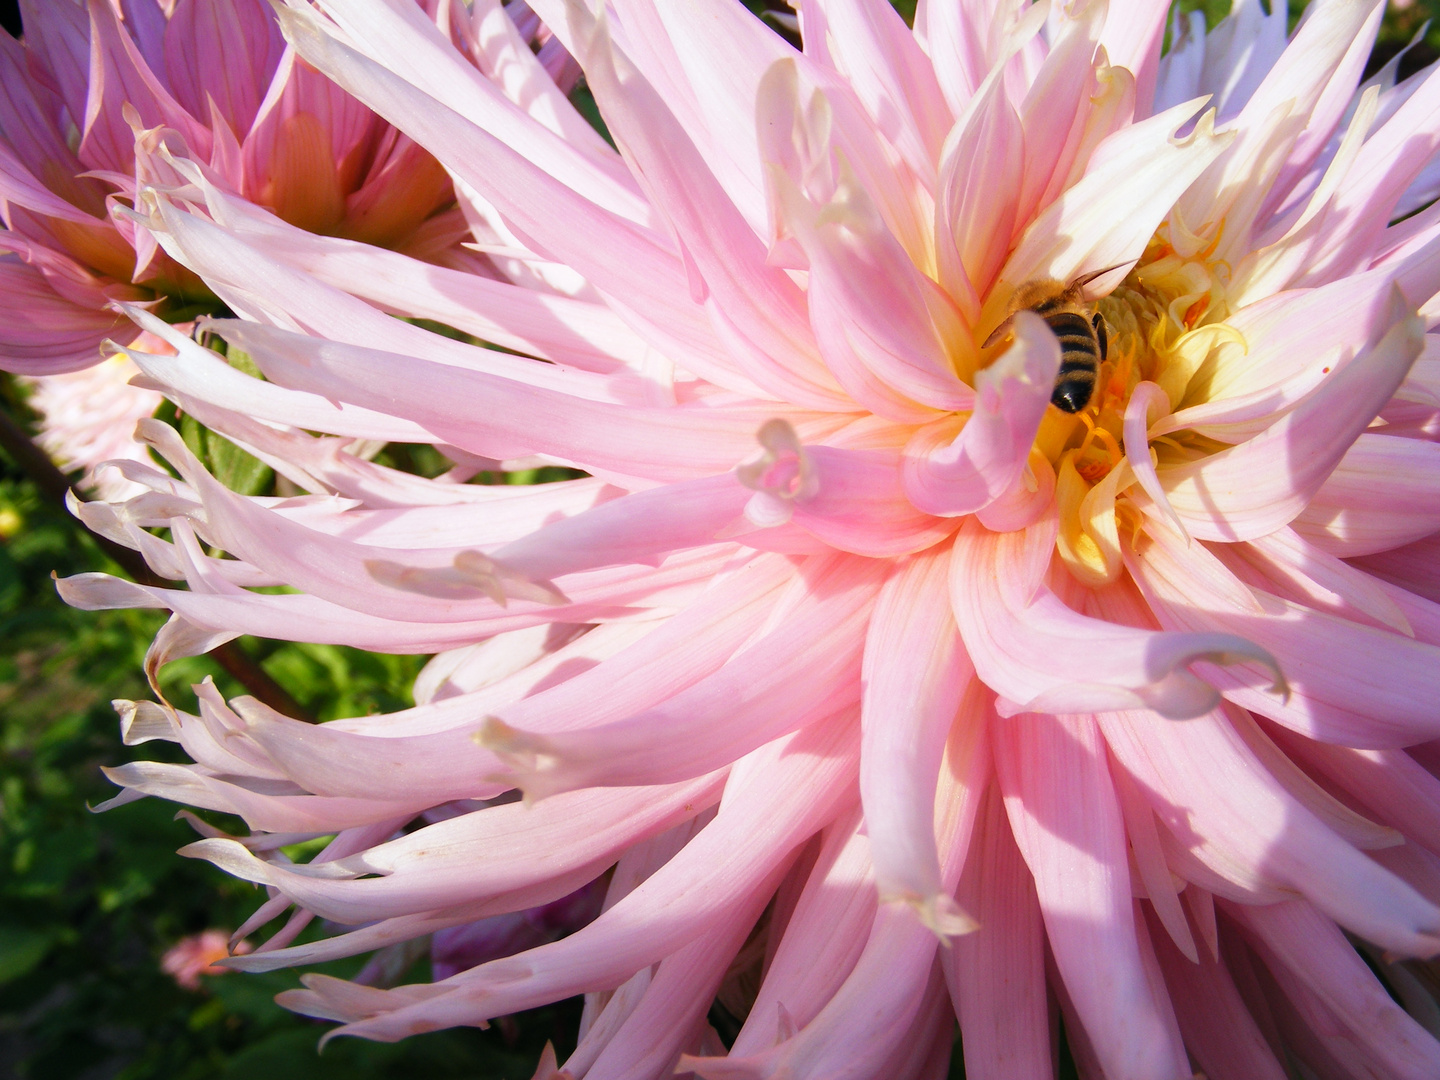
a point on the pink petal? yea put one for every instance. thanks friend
(1383, 494)
(193, 371)
(120, 76)
(860, 505)
(875, 52)
(222, 51)
(1221, 805)
(1350, 683)
(1131, 38)
(1318, 954)
(616, 255)
(792, 788)
(975, 206)
(763, 309)
(521, 419)
(1132, 180)
(1057, 103)
(41, 332)
(1066, 819)
(756, 697)
(677, 999)
(868, 1022)
(986, 459)
(1041, 655)
(475, 856)
(58, 36)
(1218, 1028)
(1399, 790)
(997, 972)
(914, 675)
(1260, 485)
(822, 941)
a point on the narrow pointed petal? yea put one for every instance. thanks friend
(1041, 655)
(985, 460)
(1262, 484)
(997, 973)
(915, 673)
(1066, 819)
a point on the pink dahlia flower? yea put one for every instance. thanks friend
(90, 78)
(193, 956)
(874, 688)
(88, 417)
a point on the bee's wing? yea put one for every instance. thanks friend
(1085, 279)
(999, 332)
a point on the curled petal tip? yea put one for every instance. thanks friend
(525, 754)
(783, 470)
(941, 915)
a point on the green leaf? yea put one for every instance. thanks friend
(21, 949)
(236, 469)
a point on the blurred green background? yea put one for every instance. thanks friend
(88, 903)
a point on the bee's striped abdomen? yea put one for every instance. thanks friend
(1079, 358)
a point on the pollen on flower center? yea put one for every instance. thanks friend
(1163, 323)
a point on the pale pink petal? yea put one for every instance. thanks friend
(223, 52)
(433, 396)
(1320, 69)
(886, 333)
(1106, 219)
(1392, 158)
(1411, 567)
(874, 50)
(1056, 106)
(614, 253)
(1148, 853)
(1296, 570)
(997, 972)
(915, 673)
(1039, 654)
(1218, 1028)
(1291, 343)
(1349, 683)
(505, 57)
(1382, 495)
(860, 505)
(870, 1018)
(1260, 485)
(497, 846)
(824, 939)
(408, 43)
(975, 204)
(756, 697)
(1132, 36)
(1222, 806)
(763, 309)
(986, 459)
(1318, 954)
(1390, 783)
(197, 372)
(703, 881)
(677, 999)
(1066, 819)
(966, 39)
(19, 187)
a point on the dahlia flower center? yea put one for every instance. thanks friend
(1163, 324)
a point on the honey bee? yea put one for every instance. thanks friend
(1080, 328)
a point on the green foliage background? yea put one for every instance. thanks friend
(89, 903)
